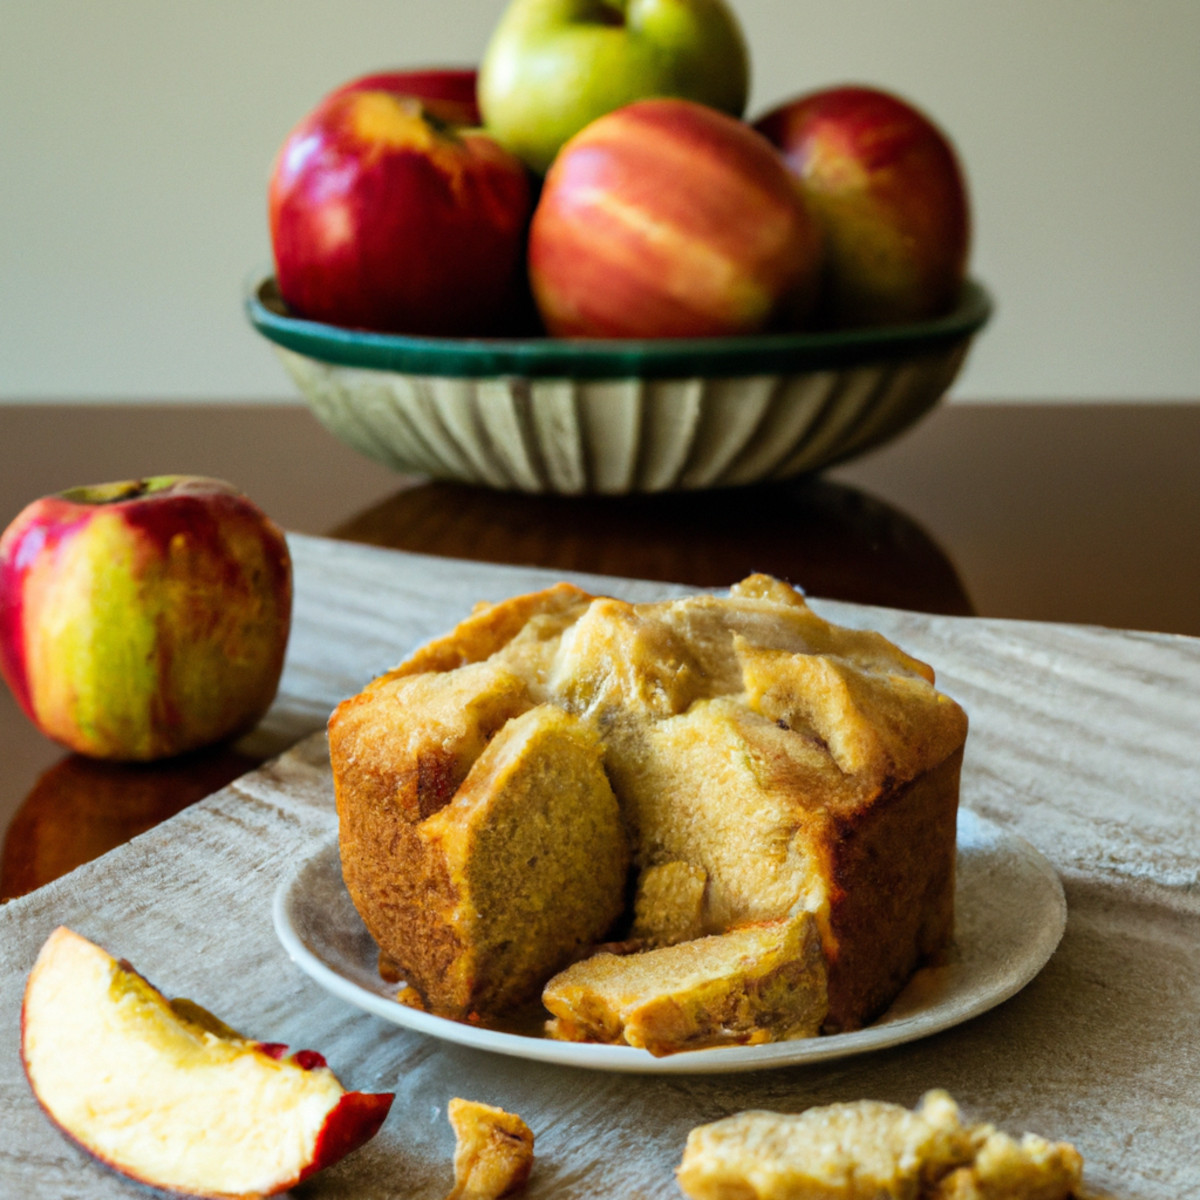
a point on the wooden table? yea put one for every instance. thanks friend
(1080, 513)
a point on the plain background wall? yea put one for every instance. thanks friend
(137, 136)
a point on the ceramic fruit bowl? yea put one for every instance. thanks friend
(571, 416)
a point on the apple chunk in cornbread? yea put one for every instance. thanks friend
(715, 762)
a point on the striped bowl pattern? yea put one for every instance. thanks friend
(536, 415)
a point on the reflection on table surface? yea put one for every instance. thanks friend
(830, 539)
(80, 808)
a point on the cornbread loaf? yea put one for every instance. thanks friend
(868, 1150)
(562, 765)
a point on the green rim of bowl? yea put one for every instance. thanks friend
(577, 358)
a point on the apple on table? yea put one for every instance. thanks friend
(887, 188)
(667, 218)
(553, 66)
(163, 1092)
(384, 216)
(143, 619)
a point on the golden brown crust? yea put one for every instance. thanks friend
(488, 628)
(446, 890)
(892, 901)
(387, 778)
(417, 766)
(537, 859)
(395, 883)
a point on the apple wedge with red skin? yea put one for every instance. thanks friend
(384, 216)
(165, 1093)
(449, 93)
(667, 218)
(143, 619)
(889, 193)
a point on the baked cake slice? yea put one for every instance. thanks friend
(757, 983)
(477, 881)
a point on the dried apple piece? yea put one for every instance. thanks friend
(494, 1152)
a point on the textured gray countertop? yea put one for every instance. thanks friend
(1083, 741)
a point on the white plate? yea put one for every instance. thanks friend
(1010, 917)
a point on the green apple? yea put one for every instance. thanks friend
(554, 66)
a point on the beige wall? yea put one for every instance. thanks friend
(137, 137)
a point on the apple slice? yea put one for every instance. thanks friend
(167, 1094)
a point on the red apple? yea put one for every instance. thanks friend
(887, 188)
(447, 92)
(165, 1093)
(666, 218)
(139, 620)
(385, 217)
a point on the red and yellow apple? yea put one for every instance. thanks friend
(385, 217)
(165, 1093)
(667, 218)
(449, 93)
(888, 190)
(143, 619)
(553, 66)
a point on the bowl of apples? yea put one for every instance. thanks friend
(646, 293)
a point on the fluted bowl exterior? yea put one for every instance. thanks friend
(576, 417)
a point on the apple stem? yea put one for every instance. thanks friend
(610, 13)
(109, 493)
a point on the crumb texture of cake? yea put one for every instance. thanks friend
(669, 904)
(736, 759)
(871, 1150)
(493, 1153)
(754, 984)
